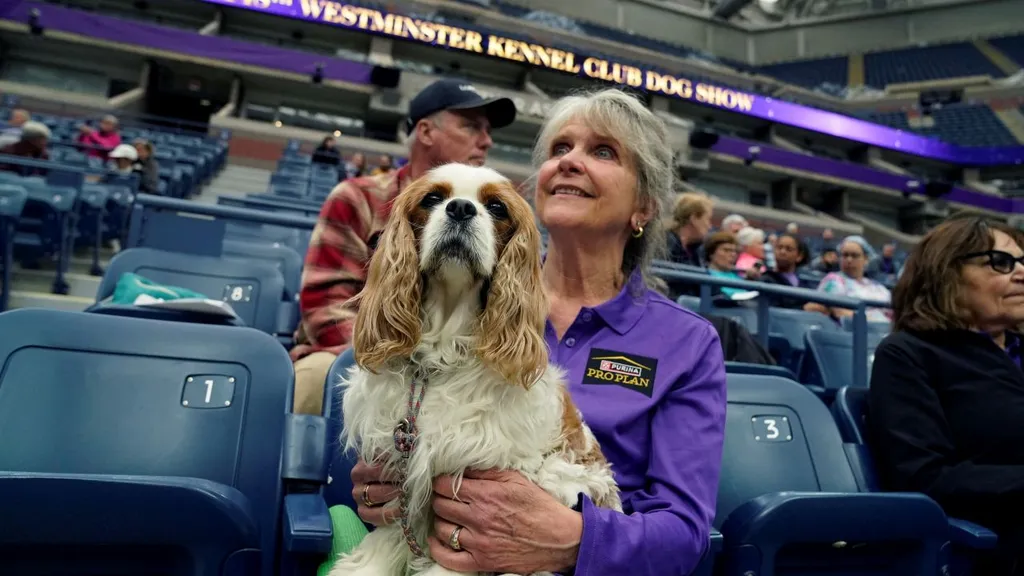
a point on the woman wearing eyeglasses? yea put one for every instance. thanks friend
(851, 281)
(947, 391)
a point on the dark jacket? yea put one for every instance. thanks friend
(27, 150)
(773, 277)
(947, 418)
(149, 174)
(737, 343)
(325, 155)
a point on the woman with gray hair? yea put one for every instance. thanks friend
(643, 372)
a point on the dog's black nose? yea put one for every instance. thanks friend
(460, 210)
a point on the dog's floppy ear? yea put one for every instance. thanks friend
(388, 322)
(510, 337)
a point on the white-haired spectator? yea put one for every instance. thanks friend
(99, 143)
(793, 228)
(12, 133)
(733, 223)
(32, 145)
(751, 245)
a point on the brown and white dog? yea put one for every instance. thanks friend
(453, 307)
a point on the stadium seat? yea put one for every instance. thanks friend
(762, 369)
(792, 326)
(44, 228)
(850, 411)
(339, 490)
(828, 363)
(788, 502)
(134, 446)
(92, 212)
(12, 202)
(253, 289)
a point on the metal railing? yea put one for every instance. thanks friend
(143, 201)
(690, 275)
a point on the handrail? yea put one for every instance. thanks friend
(226, 212)
(860, 320)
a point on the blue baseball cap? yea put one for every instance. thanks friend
(453, 94)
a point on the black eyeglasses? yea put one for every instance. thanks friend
(999, 261)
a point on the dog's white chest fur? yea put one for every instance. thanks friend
(462, 423)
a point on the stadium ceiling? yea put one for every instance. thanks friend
(771, 13)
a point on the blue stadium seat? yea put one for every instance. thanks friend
(44, 229)
(339, 490)
(253, 289)
(792, 326)
(762, 369)
(850, 411)
(788, 502)
(92, 213)
(12, 202)
(828, 363)
(135, 446)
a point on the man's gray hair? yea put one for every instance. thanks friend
(31, 130)
(625, 119)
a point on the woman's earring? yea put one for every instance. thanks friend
(638, 232)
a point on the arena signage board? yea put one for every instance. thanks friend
(413, 29)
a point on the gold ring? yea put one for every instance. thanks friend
(366, 497)
(453, 540)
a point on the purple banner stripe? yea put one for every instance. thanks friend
(185, 42)
(857, 173)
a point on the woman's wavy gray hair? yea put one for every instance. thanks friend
(625, 119)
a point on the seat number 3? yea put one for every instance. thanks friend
(771, 428)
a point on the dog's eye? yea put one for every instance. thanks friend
(497, 209)
(431, 200)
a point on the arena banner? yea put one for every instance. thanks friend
(404, 27)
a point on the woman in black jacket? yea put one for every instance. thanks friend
(946, 406)
(327, 153)
(790, 254)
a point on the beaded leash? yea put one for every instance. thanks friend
(405, 440)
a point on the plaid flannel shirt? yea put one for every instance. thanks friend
(339, 252)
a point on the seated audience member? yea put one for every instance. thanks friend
(327, 153)
(99, 143)
(356, 166)
(123, 158)
(384, 166)
(720, 251)
(12, 133)
(446, 124)
(947, 391)
(827, 261)
(851, 281)
(612, 147)
(147, 167)
(790, 254)
(690, 223)
(887, 264)
(733, 223)
(793, 228)
(751, 245)
(32, 145)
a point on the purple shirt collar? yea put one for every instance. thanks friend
(622, 312)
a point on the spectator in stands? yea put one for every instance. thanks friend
(610, 150)
(851, 281)
(356, 166)
(123, 158)
(790, 254)
(12, 133)
(691, 221)
(720, 249)
(447, 123)
(947, 391)
(828, 261)
(385, 165)
(751, 258)
(887, 264)
(99, 143)
(147, 167)
(793, 228)
(733, 223)
(327, 152)
(32, 145)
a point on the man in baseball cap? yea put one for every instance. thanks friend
(449, 121)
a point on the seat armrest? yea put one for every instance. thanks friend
(774, 520)
(971, 535)
(307, 524)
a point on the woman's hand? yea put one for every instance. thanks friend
(508, 524)
(753, 273)
(371, 492)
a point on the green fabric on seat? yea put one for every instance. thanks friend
(349, 531)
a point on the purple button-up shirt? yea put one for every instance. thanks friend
(649, 378)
